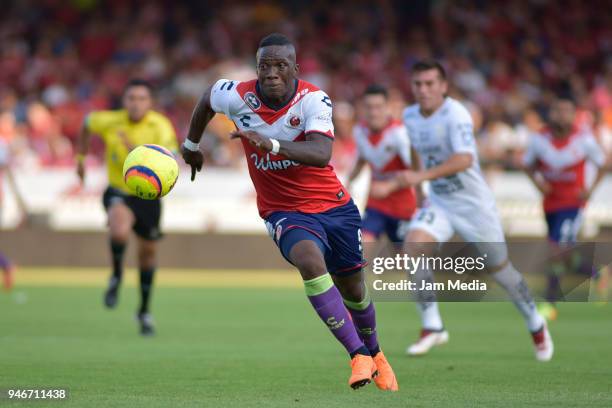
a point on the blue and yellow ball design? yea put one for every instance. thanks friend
(150, 171)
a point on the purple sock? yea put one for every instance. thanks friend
(331, 310)
(365, 321)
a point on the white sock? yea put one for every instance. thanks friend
(511, 280)
(426, 302)
(430, 315)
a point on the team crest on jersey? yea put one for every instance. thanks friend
(252, 101)
(295, 121)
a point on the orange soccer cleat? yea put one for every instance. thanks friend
(363, 370)
(385, 380)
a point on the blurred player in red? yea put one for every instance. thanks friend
(286, 130)
(557, 160)
(384, 145)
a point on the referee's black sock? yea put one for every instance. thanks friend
(146, 286)
(117, 251)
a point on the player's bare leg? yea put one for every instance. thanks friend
(328, 303)
(417, 243)
(514, 284)
(120, 221)
(369, 243)
(147, 251)
(360, 306)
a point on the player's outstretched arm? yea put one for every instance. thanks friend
(82, 147)
(597, 156)
(586, 194)
(356, 170)
(456, 163)
(416, 165)
(202, 114)
(382, 188)
(315, 151)
(537, 181)
(25, 214)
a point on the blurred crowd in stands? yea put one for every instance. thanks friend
(60, 59)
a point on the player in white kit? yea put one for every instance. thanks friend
(441, 132)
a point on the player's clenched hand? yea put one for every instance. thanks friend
(585, 194)
(262, 143)
(544, 187)
(193, 159)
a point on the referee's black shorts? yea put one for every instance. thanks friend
(146, 212)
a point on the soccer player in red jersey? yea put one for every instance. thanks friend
(557, 160)
(285, 125)
(384, 145)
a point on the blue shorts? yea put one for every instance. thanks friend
(564, 225)
(376, 222)
(337, 232)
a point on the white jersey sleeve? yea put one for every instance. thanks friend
(594, 152)
(461, 130)
(224, 98)
(531, 153)
(359, 137)
(402, 141)
(318, 114)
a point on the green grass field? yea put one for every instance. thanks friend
(264, 347)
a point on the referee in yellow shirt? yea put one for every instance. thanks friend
(122, 130)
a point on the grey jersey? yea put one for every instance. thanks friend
(436, 138)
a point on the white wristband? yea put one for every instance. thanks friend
(189, 145)
(275, 146)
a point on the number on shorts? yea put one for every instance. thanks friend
(359, 239)
(427, 217)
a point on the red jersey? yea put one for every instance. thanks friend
(387, 152)
(282, 184)
(562, 162)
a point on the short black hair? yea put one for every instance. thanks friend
(426, 65)
(376, 89)
(275, 39)
(564, 91)
(138, 82)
